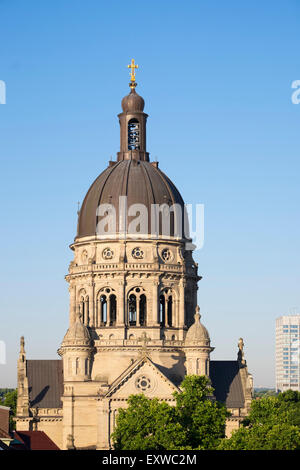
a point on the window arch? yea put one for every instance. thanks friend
(84, 308)
(113, 309)
(133, 134)
(143, 305)
(106, 307)
(137, 307)
(132, 310)
(166, 308)
(103, 310)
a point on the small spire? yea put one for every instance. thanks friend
(197, 315)
(241, 357)
(132, 66)
(22, 345)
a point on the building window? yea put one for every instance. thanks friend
(132, 309)
(166, 308)
(113, 309)
(143, 304)
(137, 307)
(84, 309)
(133, 134)
(103, 309)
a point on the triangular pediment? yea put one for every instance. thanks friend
(142, 377)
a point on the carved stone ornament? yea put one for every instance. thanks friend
(137, 253)
(143, 383)
(166, 255)
(107, 253)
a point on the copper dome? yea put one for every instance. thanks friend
(141, 181)
(133, 103)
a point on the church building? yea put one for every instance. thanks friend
(134, 323)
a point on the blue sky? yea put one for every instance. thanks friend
(216, 77)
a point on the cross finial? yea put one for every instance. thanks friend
(144, 339)
(132, 66)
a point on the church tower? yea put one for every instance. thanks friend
(134, 323)
(130, 290)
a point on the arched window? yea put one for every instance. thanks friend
(143, 310)
(106, 307)
(132, 309)
(103, 309)
(137, 307)
(133, 134)
(113, 309)
(166, 308)
(162, 310)
(170, 303)
(81, 309)
(84, 309)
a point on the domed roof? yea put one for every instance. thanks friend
(133, 103)
(197, 333)
(142, 182)
(77, 334)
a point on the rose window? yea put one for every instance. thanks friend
(143, 383)
(107, 253)
(137, 253)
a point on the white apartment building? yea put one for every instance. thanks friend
(287, 353)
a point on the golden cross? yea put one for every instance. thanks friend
(132, 66)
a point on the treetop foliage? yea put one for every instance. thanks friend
(195, 422)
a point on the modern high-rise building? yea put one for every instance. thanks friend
(287, 353)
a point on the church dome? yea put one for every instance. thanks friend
(77, 334)
(133, 103)
(136, 178)
(197, 333)
(142, 182)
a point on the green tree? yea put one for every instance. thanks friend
(147, 425)
(195, 422)
(10, 399)
(202, 418)
(273, 424)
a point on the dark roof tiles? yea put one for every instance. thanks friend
(45, 379)
(34, 440)
(226, 380)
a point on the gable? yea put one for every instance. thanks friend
(143, 377)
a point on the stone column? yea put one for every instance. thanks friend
(98, 312)
(154, 320)
(91, 305)
(121, 304)
(137, 310)
(72, 291)
(108, 311)
(176, 313)
(86, 312)
(103, 424)
(181, 312)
